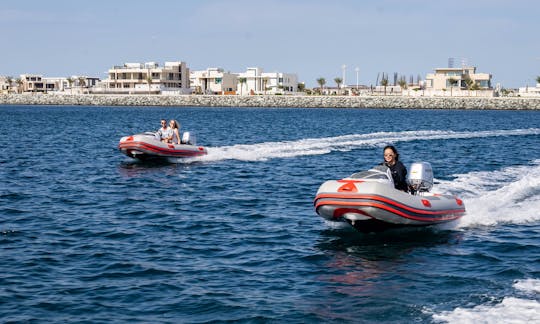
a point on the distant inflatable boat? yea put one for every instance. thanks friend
(368, 201)
(147, 146)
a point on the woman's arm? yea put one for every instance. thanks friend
(177, 136)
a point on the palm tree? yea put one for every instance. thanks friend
(469, 83)
(384, 83)
(321, 82)
(19, 85)
(149, 81)
(265, 82)
(242, 82)
(452, 82)
(9, 81)
(70, 82)
(338, 81)
(82, 83)
(538, 79)
(402, 83)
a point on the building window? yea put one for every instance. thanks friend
(483, 84)
(217, 80)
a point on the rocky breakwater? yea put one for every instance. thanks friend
(275, 101)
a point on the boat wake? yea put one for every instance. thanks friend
(522, 309)
(508, 195)
(318, 146)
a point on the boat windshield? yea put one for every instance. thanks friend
(379, 172)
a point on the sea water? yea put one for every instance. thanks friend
(90, 235)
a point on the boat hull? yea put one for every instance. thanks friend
(374, 206)
(147, 147)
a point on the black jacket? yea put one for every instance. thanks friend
(399, 175)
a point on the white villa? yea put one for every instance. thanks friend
(134, 78)
(259, 82)
(458, 82)
(37, 83)
(213, 81)
(6, 85)
(529, 91)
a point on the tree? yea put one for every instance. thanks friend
(9, 81)
(402, 83)
(242, 82)
(538, 79)
(19, 83)
(338, 81)
(384, 82)
(321, 82)
(301, 87)
(82, 83)
(149, 81)
(265, 82)
(452, 82)
(469, 83)
(70, 82)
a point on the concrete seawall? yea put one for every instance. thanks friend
(275, 101)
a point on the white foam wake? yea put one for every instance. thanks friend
(509, 310)
(317, 146)
(531, 286)
(509, 195)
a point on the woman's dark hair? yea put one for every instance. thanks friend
(393, 150)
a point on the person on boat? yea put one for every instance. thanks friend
(173, 125)
(398, 170)
(165, 133)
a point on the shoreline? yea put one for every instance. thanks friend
(273, 101)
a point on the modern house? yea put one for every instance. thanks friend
(6, 86)
(36, 83)
(213, 81)
(258, 82)
(529, 91)
(132, 78)
(280, 83)
(458, 81)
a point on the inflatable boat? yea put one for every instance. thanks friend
(148, 146)
(368, 201)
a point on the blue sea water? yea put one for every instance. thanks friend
(90, 235)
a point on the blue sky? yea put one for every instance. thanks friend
(312, 38)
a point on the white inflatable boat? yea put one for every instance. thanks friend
(368, 201)
(147, 146)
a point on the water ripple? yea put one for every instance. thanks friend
(87, 234)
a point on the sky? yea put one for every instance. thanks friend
(312, 38)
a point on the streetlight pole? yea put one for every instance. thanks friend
(357, 69)
(344, 67)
